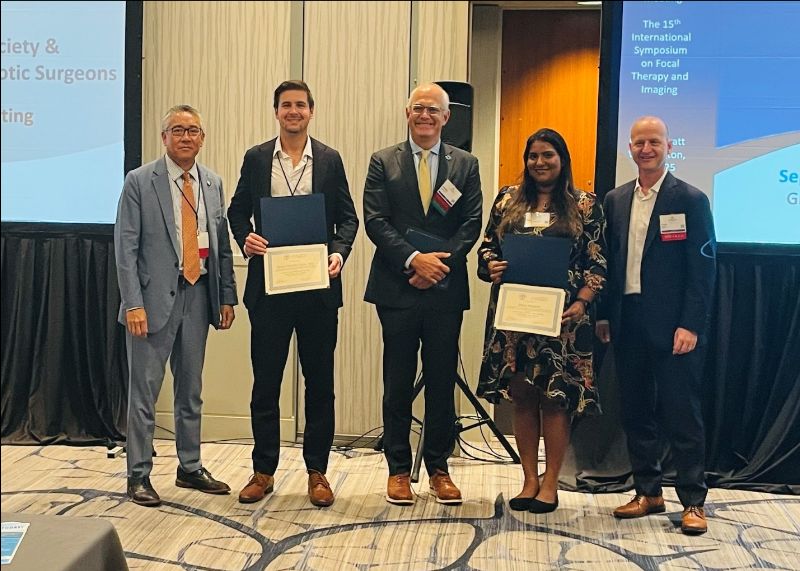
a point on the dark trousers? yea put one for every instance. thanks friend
(403, 331)
(660, 394)
(272, 322)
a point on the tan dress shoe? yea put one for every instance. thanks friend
(693, 521)
(640, 506)
(443, 488)
(319, 490)
(398, 490)
(260, 485)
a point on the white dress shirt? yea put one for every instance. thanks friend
(641, 210)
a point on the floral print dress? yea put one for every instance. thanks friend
(560, 367)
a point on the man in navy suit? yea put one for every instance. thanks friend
(175, 272)
(291, 165)
(662, 266)
(424, 184)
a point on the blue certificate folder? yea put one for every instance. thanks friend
(294, 220)
(536, 260)
(427, 243)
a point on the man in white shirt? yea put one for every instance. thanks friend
(661, 268)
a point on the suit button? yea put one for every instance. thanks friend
(172, 293)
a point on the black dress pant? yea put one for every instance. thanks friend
(661, 398)
(403, 331)
(272, 322)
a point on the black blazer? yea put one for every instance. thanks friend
(392, 204)
(255, 182)
(677, 276)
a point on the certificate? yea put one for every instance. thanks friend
(296, 268)
(530, 309)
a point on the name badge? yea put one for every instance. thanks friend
(673, 227)
(202, 244)
(445, 197)
(537, 219)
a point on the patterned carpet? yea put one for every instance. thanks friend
(361, 532)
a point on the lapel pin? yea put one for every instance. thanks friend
(208, 183)
(447, 157)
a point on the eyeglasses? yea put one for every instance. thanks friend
(179, 131)
(420, 109)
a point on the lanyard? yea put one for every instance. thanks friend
(195, 210)
(286, 178)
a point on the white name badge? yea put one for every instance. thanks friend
(202, 244)
(445, 197)
(537, 219)
(673, 227)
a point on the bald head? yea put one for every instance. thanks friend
(649, 145)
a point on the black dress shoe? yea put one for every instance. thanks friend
(201, 480)
(540, 507)
(141, 492)
(520, 504)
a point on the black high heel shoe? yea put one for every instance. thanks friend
(520, 504)
(540, 507)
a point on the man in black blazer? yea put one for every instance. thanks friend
(662, 266)
(290, 165)
(421, 184)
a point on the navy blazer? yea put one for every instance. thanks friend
(677, 276)
(255, 182)
(392, 204)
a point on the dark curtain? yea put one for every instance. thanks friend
(63, 353)
(752, 389)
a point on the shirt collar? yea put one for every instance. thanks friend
(175, 172)
(655, 188)
(306, 151)
(415, 148)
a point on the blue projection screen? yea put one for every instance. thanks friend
(63, 94)
(726, 78)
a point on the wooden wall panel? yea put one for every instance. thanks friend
(550, 79)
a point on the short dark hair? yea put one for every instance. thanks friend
(292, 85)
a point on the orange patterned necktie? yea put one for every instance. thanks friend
(191, 252)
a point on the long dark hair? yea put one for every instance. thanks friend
(564, 196)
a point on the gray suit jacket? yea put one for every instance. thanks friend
(146, 245)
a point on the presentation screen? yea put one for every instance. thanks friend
(63, 96)
(725, 76)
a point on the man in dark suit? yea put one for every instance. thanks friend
(424, 184)
(175, 272)
(292, 164)
(662, 266)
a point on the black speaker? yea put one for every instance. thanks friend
(458, 131)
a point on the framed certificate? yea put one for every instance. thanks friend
(530, 309)
(296, 268)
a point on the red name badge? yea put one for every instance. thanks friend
(202, 244)
(673, 227)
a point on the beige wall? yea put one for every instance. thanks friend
(360, 60)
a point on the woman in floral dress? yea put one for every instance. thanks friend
(551, 376)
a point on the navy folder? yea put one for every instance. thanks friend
(427, 243)
(536, 260)
(294, 220)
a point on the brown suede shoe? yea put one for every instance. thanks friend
(260, 485)
(693, 521)
(398, 490)
(640, 506)
(443, 488)
(319, 490)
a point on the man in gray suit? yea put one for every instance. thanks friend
(432, 189)
(175, 271)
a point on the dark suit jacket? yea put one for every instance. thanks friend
(677, 276)
(392, 204)
(328, 177)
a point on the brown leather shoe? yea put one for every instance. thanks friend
(260, 485)
(444, 489)
(141, 492)
(319, 490)
(693, 521)
(398, 490)
(640, 506)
